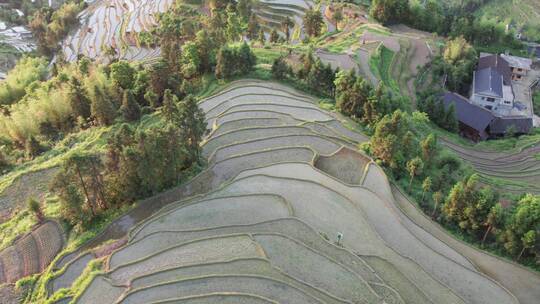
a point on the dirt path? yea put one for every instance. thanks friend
(518, 280)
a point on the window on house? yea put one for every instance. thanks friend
(490, 99)
(520, 70)
(507, 102)
(489, 107)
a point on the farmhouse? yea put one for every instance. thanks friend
(478, 123)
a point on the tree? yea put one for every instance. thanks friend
(468, 205)
(123, 74)
(458, 61)
(386, 142)
(225, 63)
(131, 111)
(389, 11)
(101, 108)
(253, 28)
(79, 185)
(244, 8)
(246, 58)
(528, 241)
(170, 108)
(286, 28)
(274, 37)
(517, 237)
(78, 99)
(437, 198)
(429, 148)
(192, 124)
(337, 17)
(494, 219)
(32, 147)
(414, 167)
(234, 28)
(35, 209)
(313, 22)
(280, 68)
(426, 187)
(262, 37)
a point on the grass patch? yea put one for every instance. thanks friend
(381, 64)
(536, 102)
(18, 225)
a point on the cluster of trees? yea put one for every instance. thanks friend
(357, 98)
(138, 163)
(431, 103)
(311, 72)
(479, 213)
(445, 189)
(51, 26)
(27, 70)
(446, 19)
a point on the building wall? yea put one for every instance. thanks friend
(484, 101)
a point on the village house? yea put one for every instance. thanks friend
(500, 101)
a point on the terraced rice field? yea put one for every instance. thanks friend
(260, 225)
(31, 253)
(519, 172)
(272, 13)
(114, 23)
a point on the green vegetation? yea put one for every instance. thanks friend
(536, 101)
(521, 14)
(51, 26)
(18, 80)
(381, 65)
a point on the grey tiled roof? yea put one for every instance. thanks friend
(501, 124)
(488, 82)
(467, 113)
(498, 63)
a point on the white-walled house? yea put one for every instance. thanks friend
(489, 90)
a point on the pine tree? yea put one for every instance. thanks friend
(253, 28)
(35, 209)
(286, 28)
(274, 36)
(170, 108)
(414, 167)
(313, 22)
(101, 108)
(78, 99)
(246, 58)
(131, 111)
(192, 123)
(426, 187)
(262, 37)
